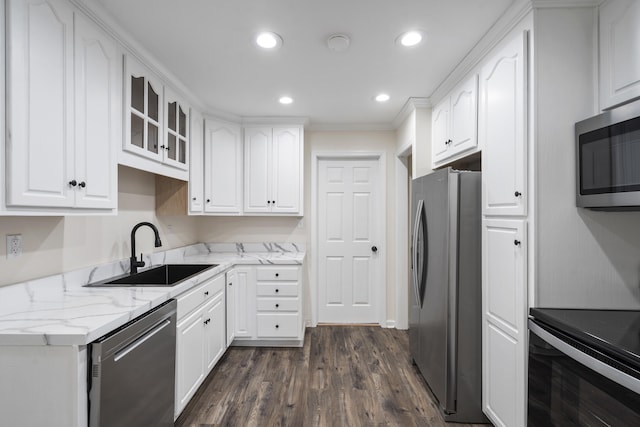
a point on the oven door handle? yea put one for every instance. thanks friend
(598, 366)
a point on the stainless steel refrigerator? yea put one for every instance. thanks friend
(445, 335)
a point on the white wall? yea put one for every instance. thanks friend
(583, 258)
(52, 245)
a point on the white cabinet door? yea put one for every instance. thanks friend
(98, 98)
(440, 130)
(504, 308)
(454, 123)
(40, 158)
(190, 358)
(176, 130)
(196, 163)
(257, 159)
(223, 168)
(619, 47)
(245, 302)
(464, 116)
(214, 331)
(502, 130)
(143, 115)
(286, 171)
(231, 306)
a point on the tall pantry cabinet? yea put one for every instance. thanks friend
(533, 86)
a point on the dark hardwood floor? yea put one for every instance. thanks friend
(343, 376)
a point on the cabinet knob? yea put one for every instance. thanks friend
(230, 283)
(277, 290)
(206, 293)
(162, 146)
(277, 274)
(516, 242)
(73, 183)
(194, 198)
(273, 202)
(277, 305)
(517, 194)
(208, 200)
(268, 202)
(374, 249)
(82, 184)
(277, 326)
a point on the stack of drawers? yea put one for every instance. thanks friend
(278, 302)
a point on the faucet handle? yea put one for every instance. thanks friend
(141, 262)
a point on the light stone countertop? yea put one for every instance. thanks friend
(60, 310)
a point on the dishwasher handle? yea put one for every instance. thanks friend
(140, 340)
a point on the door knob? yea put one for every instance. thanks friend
(374, 249)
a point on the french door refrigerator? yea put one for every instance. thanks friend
(445, 335)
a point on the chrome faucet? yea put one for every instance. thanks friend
(134, 262)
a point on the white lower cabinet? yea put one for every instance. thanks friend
(504, 313)
(200, 337)
(268, 305)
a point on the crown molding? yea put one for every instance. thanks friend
(408, 107)
(350, 127)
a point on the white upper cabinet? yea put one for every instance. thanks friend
(619, 47)
(59, 149)
(196, 163)
(98, 96)
(502, 131)
(143, 101)
(176, 130)
(273, 170)
(454, 127)
(222, 168)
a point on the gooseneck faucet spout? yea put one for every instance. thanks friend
(134, 262)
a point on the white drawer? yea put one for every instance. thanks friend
(277, 304)
(277, 289)
(191, 299)
(277, 273)
(285, 325)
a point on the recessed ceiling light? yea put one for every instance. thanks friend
(286, 100)
(383, 97)
(268, 40)
(410, 38)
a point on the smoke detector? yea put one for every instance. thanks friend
(338, 42)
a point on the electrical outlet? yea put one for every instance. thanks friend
(14, 245)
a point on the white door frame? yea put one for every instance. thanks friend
(402, 237)
(381, 293)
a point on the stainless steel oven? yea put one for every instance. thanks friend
(132, 372)
(584, 368)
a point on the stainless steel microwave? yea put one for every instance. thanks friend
(608, 159)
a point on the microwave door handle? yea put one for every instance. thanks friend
(416, 285)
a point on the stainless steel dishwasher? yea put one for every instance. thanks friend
(132, 372)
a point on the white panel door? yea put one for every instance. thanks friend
(257, 159)
(619, 47)
(502, 130)
(349, 207)
(39, 103)
(214, 331)
(98, 99)
(440, 130)
(231, 306)
(504, 314)
(190, 357)
(223, 168)
(464, 116)
(196, 163)
(286, 168)
(245, 302)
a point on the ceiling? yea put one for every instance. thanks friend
(208, 45)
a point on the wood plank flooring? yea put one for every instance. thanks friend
(343, 376)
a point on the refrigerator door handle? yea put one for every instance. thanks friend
(416, 226)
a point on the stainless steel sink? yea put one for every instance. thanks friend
(164, 275)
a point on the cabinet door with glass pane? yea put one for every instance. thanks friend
(176, 134)
(143, 106)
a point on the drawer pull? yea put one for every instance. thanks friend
(277, 290)
(230, 283)
(277, 305)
